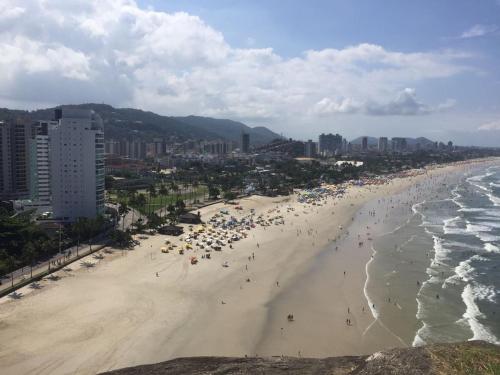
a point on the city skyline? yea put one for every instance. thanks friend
(333, 76)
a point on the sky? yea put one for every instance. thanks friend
(355, 67)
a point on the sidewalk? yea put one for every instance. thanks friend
(26, 275)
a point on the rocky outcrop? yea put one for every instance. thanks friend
(473, 357)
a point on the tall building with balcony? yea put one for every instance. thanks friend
(77, 164)
(310, 149)
(14, 160)
(245, 143)
(383, 144)
(40, 189)
(217, 147)
(329, 144)
(364, 144)
(399, 144)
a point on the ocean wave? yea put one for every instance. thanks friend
(371, 305)
(418, 340)
(489, 217)
(471, 209)
(485, 237)
(480, 177)
(472, 313)
(453, 280)
(475, 228)
(440, 252)
(415, 207)
(490, 224)
(450, 226)
(489, 247)
(494, 199)
(465, 271)
(460, 245)
(476, 181)
(456, 196)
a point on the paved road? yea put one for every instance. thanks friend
(67, 256)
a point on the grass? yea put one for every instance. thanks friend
(160, 201)
(467, 360)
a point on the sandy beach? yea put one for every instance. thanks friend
(142, 306)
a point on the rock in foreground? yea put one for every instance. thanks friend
(473, 357)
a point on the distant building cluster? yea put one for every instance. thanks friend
(170, 152)
(329, 145)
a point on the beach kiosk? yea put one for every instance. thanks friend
(171, 230)
(190, 218)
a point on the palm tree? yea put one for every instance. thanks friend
(175, 188)
(132, 200)
(152, 194)
(141, 200)
(172, 215)
(195, 185)
(123, 209)
(163, 191)
(29, 255)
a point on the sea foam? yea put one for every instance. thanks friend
(472, 313)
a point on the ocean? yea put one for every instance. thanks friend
(436, 277)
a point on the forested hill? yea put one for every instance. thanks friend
(129, 122)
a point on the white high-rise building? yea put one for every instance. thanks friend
(77, 164)
(40, 189)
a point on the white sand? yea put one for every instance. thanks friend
(119, 313)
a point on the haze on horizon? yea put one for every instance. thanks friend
(360, 67)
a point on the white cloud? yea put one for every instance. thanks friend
(405, 104)
(478, 30)
(7, 12)
(494, 125)
(174, 63)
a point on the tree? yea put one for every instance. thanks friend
(229, 195)
(180, 206)
(173, 214)
(122, 239)
(141, 201)
(152, 194)
(163, 191)
(29, 255)
(213, 192)
(175, 188)
(11, 265)
(123, 210)
(139, 225)
(154, 221)
(132, 201)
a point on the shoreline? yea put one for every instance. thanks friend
(140, 318)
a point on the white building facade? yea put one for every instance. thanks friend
(77, 164)
(40, 188)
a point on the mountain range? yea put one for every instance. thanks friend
(128, 122)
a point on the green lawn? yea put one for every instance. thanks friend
(157, 202)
